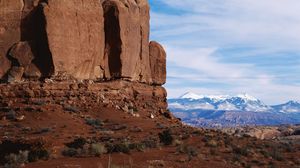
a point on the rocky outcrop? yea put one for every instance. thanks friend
(158, 63)
(118, 94)
(127, 32)
(106, 40)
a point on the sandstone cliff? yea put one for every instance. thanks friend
(98, 40)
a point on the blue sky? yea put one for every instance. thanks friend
(230, 47)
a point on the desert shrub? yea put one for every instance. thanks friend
(137, 146)
(206, 138)
(167, 114)
(275, 154)
(272, 164)
(16, 160)
(71, 152)
(177, 142)
(236, 158)
(212, 143)
(265, 153)
(160, 126)
(38, 154)
(289, 147)
(94, 122)
(166, 138)
(71, 109)
(227, 141)
(197, 132)
(296, 132)
(43, 130)
(150, 143)
(241, 150)
(29, 109)
(191, 151)
(11, 115)
(36, 151)
(77, 143)
(213, 151)
(119, 148)
(39, 102)
(98, 149)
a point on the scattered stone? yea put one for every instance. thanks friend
(152, 116)
(20, 118)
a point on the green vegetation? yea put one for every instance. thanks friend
(166, 138)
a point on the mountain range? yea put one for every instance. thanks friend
(231, 111)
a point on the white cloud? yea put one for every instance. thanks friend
(263, 23)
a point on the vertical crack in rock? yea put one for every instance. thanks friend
(43, 58)
(112, 40)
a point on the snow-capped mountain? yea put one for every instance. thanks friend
(289, 107)
(224, 110)
(242, 102)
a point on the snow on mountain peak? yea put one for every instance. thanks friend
(293, 103)
(194, 96)
(218, 97)
(191, 95)
(247, 97)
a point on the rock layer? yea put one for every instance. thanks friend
(107, 39)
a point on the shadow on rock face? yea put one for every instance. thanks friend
(112, 40)
(33, 29)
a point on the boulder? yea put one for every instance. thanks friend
(32, 72)
(21, 54)
(15, 74)
(127, 38)
(75, 34)
(157, 63)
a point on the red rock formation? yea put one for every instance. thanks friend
(127, 37)
(10, 16)
(107, 39)
(75, 34)
(157, 63)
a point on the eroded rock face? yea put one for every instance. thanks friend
(158, 63)
(75, 33)
(10, 22)
(127, 38)
(95, 39)
(5, 65)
